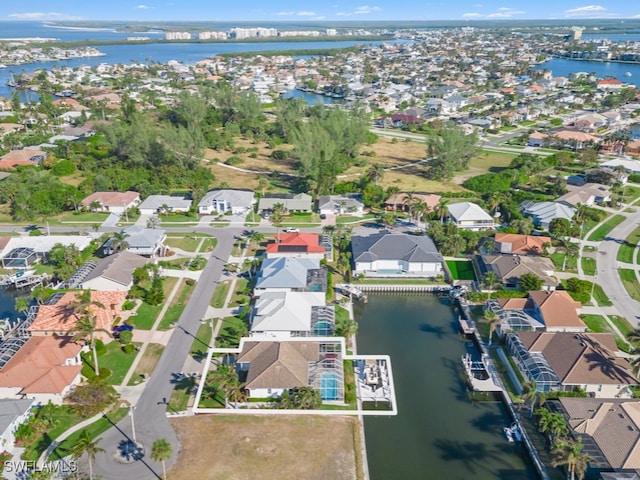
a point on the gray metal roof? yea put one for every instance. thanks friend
(285, 272)
(394, 246)
(11, 409)
(118, 268)
(336, 201)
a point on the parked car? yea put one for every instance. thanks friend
(291, 230)
(323, 216)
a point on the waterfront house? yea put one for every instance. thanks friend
(283, 314)
(510, 268)
(57, 317)
(517, 244)
(165, 204)
(542, 213)
(298, 202)
(395, 255)
(291, 273)
(114, 273)
(270, 368)
(348, 203)
(112, 202)
(609, 84)
(469, 216)
(237, 202)
(564, 361)
(298, 244)
(45, 369)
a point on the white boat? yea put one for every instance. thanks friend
(628, 74)
(515, 431)
(508, 433)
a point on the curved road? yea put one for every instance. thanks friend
(607, 270)
(150, 414)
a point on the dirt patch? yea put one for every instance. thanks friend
(263, 447)
(263, 162)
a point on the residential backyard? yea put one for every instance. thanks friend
(146, 314)
(116, 360)
(461, 269)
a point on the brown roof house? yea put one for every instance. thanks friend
(520, 244)
(112, 202)
(557, 310)
(45, 368)
(564, 361)
(509, 268)
(59, 318)
(114, 273)
(610, 430)
(402, 201)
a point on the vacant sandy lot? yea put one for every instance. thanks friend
(264, 447)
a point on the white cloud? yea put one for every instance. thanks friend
(286, 14)
(505, 12)
(366, 9)
(142, 7)
(590, 11)
(290, 13)
(44, 16)
(471, 15)
(306, 14)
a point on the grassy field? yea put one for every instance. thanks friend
(202, 340)
(147, 363)
(82, 217)
(570, 265)
(630, 282)
(484, 162)
(628, 248)
(117, 361)
(64, 419)
(348, 219)
(186, 242)
(243, 446)
(622, 323)
(603, 230)
(596, 323)
(630, 193)
(601, 297)
(588, 265)
(238, 296)
(177, 218)
(461, 269)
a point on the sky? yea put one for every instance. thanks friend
(331, 10)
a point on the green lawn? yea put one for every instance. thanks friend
(202, 341)
(252, 220)
(596, 323)
(630, 282)
(601, 297)
(587, 227)
(208, 245)
(117, 361)
(95, 429)
(83, 217)
(146, 316)
(558, 259)
(628, 248)
(348, 219)
(630, 194)
(220, 294)
(182, 391)
(230, 332)
(64, 419)
(172, 315)
(461, 269)
(589, 265)
(603, 230)
(238, 296)
(177, 218)
(187, 243)
(147, 363)
(622, 323)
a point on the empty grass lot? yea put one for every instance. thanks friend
(627, 249)
(603, 230)
(461, 269)
(630, 282)
(589, 265)
(147, 363)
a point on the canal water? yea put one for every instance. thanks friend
(439, 433)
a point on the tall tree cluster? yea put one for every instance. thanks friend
(450, 151)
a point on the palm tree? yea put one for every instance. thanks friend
(255, 236)
(570, 454)
(490, 281)
(529, 393)
(441, 209)
(161, 450)
(420, 208)
(119, 241)
(85, 444)
(277, 216)
(263, 185)
(409, 202)
(375, 173)
(85, 329)
(83, 303)
(491, 319)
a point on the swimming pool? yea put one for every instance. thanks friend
(329, 386)
(322, 329)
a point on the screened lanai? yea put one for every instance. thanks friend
(533, 365)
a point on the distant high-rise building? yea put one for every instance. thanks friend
(331, 32)
(178, 36)
(576, 33)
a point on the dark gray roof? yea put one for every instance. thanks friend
(394, 246)
(118, 268)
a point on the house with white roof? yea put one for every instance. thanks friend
(282, 314)
(291, 274)
(238, 202)
(349, 203)
(469, 216)
(630, 165)
(164, 204)
(140, 240)
(542, 213)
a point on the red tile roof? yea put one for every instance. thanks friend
(111, 199)
(309, 240)
(60, 317)
(39, 366)
(522, 244)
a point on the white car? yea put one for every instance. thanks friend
(291, 230)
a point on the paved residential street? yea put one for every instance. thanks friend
(150, 413)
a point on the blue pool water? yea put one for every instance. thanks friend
(329, 386)
(322, 329)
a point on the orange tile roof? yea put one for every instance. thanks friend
(309, 240)
(60, 317)
(523, 244)
(558, 309)
(111, 199)
(39, 366)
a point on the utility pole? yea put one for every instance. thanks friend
(133, 425)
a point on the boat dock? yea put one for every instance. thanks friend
(23, 279)
(426, 288)
(479, 375)
(351, 292)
